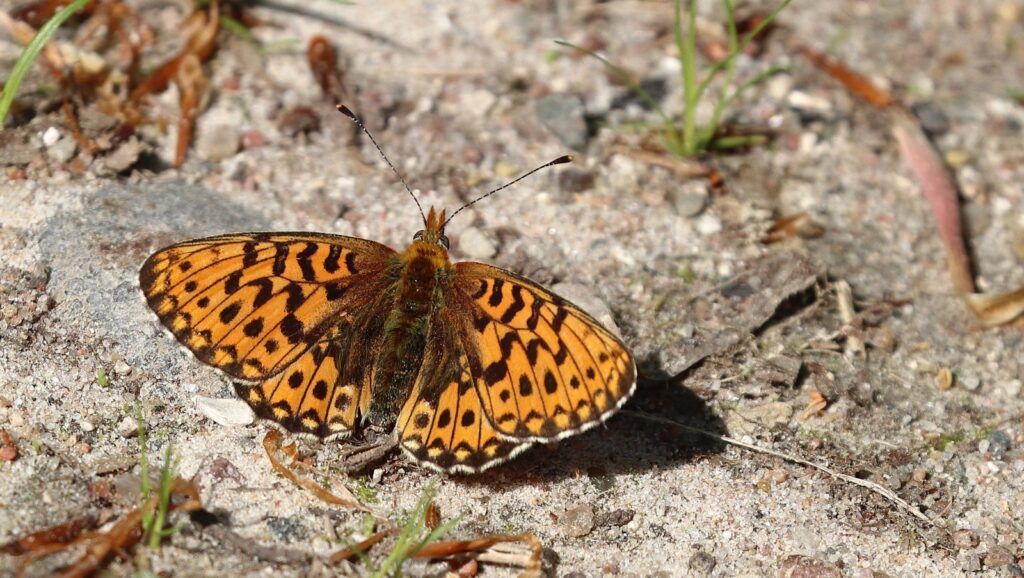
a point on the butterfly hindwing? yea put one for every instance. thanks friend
(543, 368)
(252, 304)
(442, 424)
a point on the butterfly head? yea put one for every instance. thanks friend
(433, 233)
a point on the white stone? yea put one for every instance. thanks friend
(1013, 387)
(708, 225)
(128, 427)
(122, 368)
(51, 136)
(226, 412)
(474, 243)
(809, 102)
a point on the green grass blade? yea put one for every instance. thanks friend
(28, 56)
(628, 81)
(686, 51)
(759, 78)
(730, 72)
(718, 66)
(735, 142)
(238, 29)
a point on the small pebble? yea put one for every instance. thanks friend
(578, 521)
(797, 566)
(298, 120)
(997, 557)
(224, 411)
(1013, 387)
(252, 139)
(971, 563)
(809, 103)
(970, 382)
(16, 419)
(702, 563)
(86, 425)
(933, 120)
(217, 143)
(122, 368)
(689, 198)
(562, 114)
(965, 539)
(62, 151)
(575, 180)
(128, 427)
(998, 444)
(708, 225)
(474, 243)
(51, 136)
(477, 102)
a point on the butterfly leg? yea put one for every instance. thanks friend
(360, 457)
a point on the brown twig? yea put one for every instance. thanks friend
(272, 444)
(871, 486)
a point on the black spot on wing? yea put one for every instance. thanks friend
(292, 328)
(495, 372)
(280, 257)
(253, 328)
(228, 313)
(517, 305)
(331, 264)
(496, 296)
(264, 293)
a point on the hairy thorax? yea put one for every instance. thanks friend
(424, 279)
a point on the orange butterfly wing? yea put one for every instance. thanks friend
(298, 311)
(543, 368)
(442, 425)
(509, 363)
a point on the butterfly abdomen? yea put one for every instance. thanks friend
(405, 336)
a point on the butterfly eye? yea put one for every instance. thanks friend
(418, 236)
(443, 241)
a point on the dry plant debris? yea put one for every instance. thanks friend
(99, 546)
(938, 188)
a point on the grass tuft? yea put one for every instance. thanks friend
(684, 138)
(154, 523)
(414, 535)
(28, 56)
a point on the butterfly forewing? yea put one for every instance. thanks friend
(298, 311)
(252, 304)
(543, 368)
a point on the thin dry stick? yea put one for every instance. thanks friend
(884, 492)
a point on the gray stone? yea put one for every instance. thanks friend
(578, 521)
(217, 143)
(562, 114)
(689, 198)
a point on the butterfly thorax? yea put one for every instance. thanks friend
(425, 278)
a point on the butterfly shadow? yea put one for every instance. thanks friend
(643, 436)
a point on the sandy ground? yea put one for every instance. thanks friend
(452, 95)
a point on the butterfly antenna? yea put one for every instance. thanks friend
(347, 112)
(559, 161)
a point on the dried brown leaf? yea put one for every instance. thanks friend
(791, 226)
(858, 84)
(939, 190)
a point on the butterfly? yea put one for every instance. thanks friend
(468, 364)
